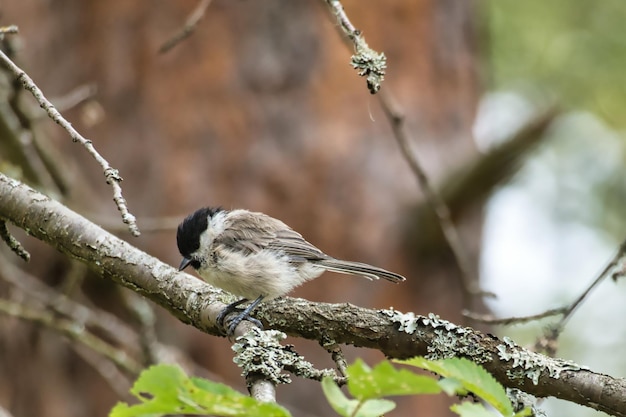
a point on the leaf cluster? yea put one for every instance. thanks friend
(166, 389)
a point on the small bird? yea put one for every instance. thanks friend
(257, 257)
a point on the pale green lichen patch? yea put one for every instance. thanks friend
(370, 64)
(407, 321)
(435, 321)
(260, 352)
(443, 346)
(457, 342)
(446, 340)
(531, 365)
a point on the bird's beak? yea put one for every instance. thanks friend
(184, 264)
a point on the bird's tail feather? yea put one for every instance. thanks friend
(358, 268)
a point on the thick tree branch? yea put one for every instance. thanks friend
(396, 335)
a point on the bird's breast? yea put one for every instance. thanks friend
(265, 272)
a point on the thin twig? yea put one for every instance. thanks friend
(75, 97)
(554, 331)
(144, 316)
(119, 383)
(112, 175)
(190, 25)
(368, 62)
(12, 242)
(39, 156)
(337, 355)
(490, 319)
(469, 283)
(548, 341)
(104, 323)
(72, 331)
(148, 224)
(101, 322)
(73, 279)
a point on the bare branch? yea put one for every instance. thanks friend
(148, 224)
(471, 183)
(469, 283)
(337, 355)
(112, 175)
(489, 319)
(119, 383)
(75, 97)
(73, 332)
(144, 315)
(189, 27)
(548, 342)
(12, 242)
(613, 263)
(101, 321)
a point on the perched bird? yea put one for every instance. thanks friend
(256, 257)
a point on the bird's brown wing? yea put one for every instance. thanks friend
(293, 244)
(249, 233)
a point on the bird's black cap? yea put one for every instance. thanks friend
(189, 231)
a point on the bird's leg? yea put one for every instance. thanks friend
(244, 315)
(230, 308)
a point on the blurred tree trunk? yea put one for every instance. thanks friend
(260, 109)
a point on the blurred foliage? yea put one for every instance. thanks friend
(572, 53)
(166, 390)
(572, 49)
(572, 193)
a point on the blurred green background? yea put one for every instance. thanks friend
(552, 230)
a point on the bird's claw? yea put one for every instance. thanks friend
(225, 312)
(232, 324)
(245, 314)
(238, 319)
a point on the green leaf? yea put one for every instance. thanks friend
(354, 408)
(165, 389)
(466, 409)
(340, 403)
(375, 408)
(452, 386)
(472, 377)
(384, 380)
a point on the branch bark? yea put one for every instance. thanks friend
(396, 335)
